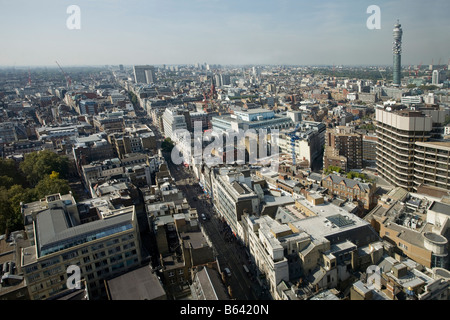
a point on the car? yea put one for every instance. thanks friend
(227, 272)
(203, 217)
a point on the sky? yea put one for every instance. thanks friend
(236, 32)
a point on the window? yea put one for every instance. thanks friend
(99, 255)
(48, 263)
(70, 255)
(52, 271)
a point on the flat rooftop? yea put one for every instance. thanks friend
(140, 284)
(440, 207)
(331, 221)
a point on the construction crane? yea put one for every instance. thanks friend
(69, 81)
(209, 96)
(418, 69)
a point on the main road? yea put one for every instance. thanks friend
(243, 285)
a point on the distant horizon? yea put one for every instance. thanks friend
(264, 32)
(214, 64)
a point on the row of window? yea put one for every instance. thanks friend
(85, 238)
(342, 187)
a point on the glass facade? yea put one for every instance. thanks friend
(80, 239)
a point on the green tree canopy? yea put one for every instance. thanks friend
(37, 165)
(331, 169)
(9, 173)
(167, 145)
(6, 211)
(51, 184)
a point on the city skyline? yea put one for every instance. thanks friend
(217, 32)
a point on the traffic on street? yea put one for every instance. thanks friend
(242, 278)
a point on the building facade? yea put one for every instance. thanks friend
(406, 154)
(343, 142)
(100, 249)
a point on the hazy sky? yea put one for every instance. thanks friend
(34, 32)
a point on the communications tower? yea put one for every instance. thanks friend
(397, 51)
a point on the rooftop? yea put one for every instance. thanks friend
(440, 207)
(56, 230)
(140, 284)
(212, 285)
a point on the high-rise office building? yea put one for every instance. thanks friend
(436, 77)
(397, 51)
(407, 154)
(144, 74)
(397, 132)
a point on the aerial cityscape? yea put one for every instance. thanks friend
(234, 154)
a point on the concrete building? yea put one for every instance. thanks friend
(87, 107)
(308, 247)
(233, 195)
(91, 148)
(343, 144)
(102, 248)
(135, 139)
(207, 285)
(402, 280)
(173, 121)
(256, 119)
(411, 100)
(431, 165)
(416, 226)
(404, 141)
(307, 145)
(369, 152)
(144, 74)
(139, 284)
(109, 122)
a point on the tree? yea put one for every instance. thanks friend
(38, 165)
(18, 194)
(6, 212)
(331, 169)
(167, 145)
(9, 173)
(51, 184)
(6, 181)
